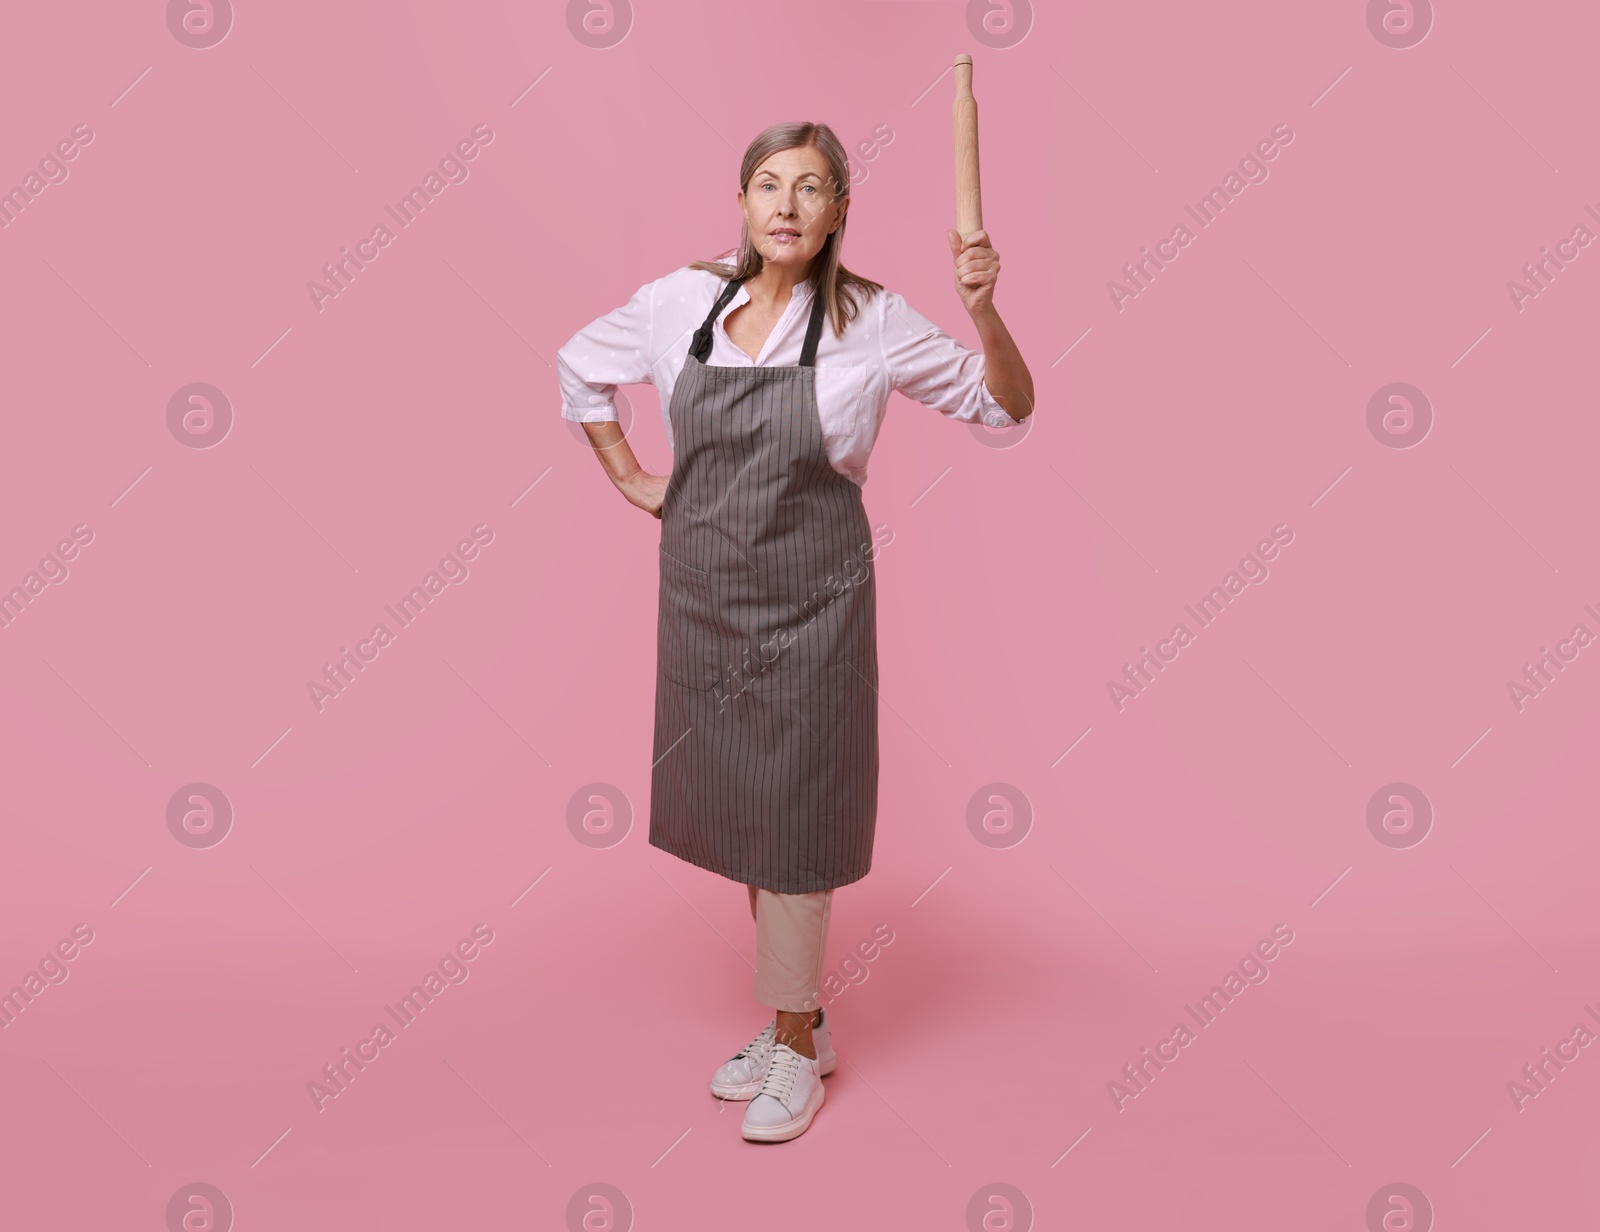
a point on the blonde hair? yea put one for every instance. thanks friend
(842, 292)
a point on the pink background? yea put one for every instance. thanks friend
(1229, 397)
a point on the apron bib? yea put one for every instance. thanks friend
(765, 761)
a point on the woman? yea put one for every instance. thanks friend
(766, 739)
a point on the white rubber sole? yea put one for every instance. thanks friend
(737, 1091)
(789, 1129)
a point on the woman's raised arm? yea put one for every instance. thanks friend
(1006, 375)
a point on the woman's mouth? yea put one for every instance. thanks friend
(786, 236)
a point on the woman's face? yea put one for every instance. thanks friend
(790, 207)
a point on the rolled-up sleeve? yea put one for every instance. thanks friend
(615, 350)
(928, 366)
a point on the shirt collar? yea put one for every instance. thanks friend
(797, 294)
(806, 284)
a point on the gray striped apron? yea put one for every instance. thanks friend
(766, 726)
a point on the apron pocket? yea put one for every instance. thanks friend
(688, 645)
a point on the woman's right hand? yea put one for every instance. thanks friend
(645, 490)
(637, 484)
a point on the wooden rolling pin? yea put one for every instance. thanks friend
(964, 114)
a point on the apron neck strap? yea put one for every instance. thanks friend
(808, 352)
(700, 347)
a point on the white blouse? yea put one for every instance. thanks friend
(888, 346)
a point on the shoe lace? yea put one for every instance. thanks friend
(782, 1071)
(757, 1049)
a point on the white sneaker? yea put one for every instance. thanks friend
(740, 1076)
(789, 1097)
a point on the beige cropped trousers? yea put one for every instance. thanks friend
(791, 930)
